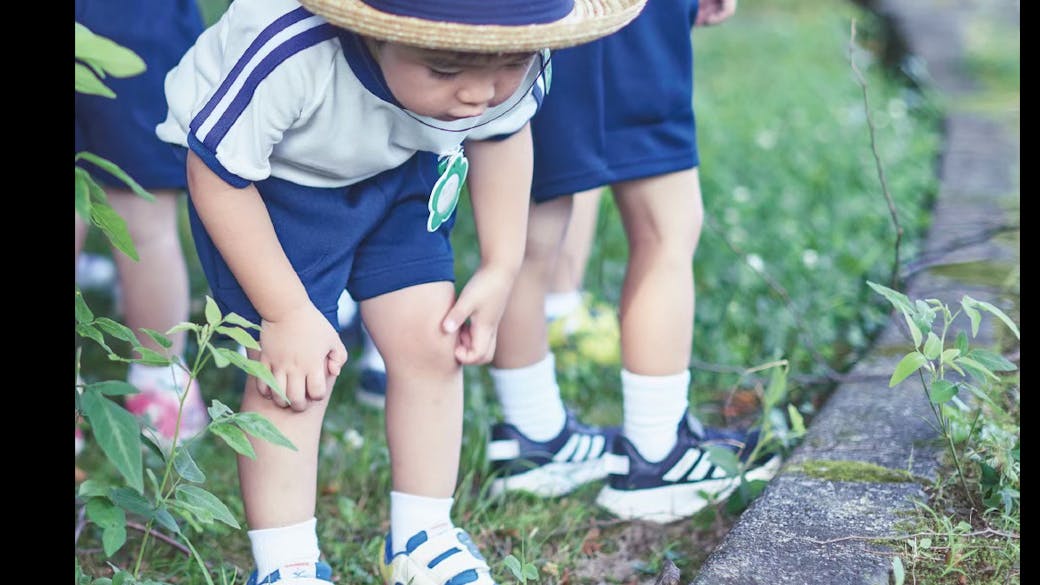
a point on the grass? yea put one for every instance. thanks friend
(791, 192)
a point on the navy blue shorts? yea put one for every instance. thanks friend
(370, 238)
(621, 107)
(122, 129)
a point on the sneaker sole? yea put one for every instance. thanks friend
(552, 479)
(674, 502)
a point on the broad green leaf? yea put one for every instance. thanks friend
(112, 388)
(968, 304)
(166, 520)
(186, 466)
(88, 82)
(123, 578)
(118, 434)
(92, 488)
(183, 327)
(212, 311)
(83, 312)
(114, 228)
(992, 361)
(159, 339)
(1000, 315)
(974, 365)
(97, 194)
(114, 58)
(132, 502)
(218, 410)
(236, 319)
(942, 391)
(962, 341)
(915, 331)
(531, 572)
(117, 172)
(897, 299)
(234, 437)
(257, 425)
(898, 574)
(151, 357)
(949, 355)
(112, 539)
(259, 370)
(240, 335)
(932, 346)
(116, 329)
(197, 496)
(104, 513)
(797, 422)
(91, 332)
(192, 513)
(513, 564)
(776, 389)
(725, 459)
(910, 363)
(82, 193)
(219, 359)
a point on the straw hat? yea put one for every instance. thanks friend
(480, 26)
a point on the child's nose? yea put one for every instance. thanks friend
(477, 91)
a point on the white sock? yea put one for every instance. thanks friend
(274, 548)
(410, 513)
(370, 358)
(346, 309)
(653, 407)
(560, 304)
(170, 378)
(530, 398)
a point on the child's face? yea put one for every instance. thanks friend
(446, 85)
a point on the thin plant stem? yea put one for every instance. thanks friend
(894, 281)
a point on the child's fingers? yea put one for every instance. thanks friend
(283, 383)
(458, 314)
(261, 387)
(476, 344)
(336, 359)
(317, 389)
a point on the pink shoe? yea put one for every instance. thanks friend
(157, 407)
(79, 441)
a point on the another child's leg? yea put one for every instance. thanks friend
(568, 277)
(538, 448)
(279, 487)
(156, 296)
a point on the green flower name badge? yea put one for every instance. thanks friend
(445, 195)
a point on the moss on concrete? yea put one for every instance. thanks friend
(859, 471)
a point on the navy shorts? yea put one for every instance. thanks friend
(122, 129)
(370, 238)
(621, 107)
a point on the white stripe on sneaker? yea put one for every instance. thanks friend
(568, 449)
(700, 470)
(683, 465)
(503, 450)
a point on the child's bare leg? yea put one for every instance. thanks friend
(423, 404)
(279, 487)
(522, 337)
(569, 274)
(424, 386)
(155, 288)
(662, 217)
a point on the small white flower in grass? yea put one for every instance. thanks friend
(810, 258)
(741, 194)
(353, 438)
(766, 139)
(755, 261)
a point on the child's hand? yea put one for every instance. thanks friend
(476, 314)
(711, 12)
(305, 355)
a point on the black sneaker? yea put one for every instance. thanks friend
(551, 468)
(671, 489)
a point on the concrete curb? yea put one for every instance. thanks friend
(813, 531)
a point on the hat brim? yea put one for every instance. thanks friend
(588, 21)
